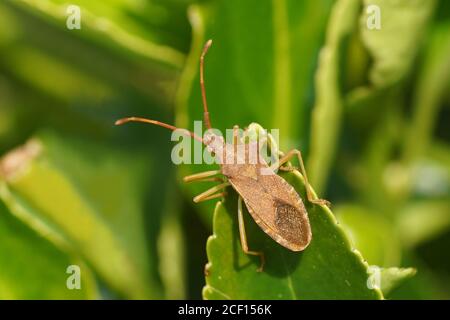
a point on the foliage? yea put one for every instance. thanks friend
(368, 108)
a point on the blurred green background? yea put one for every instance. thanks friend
(370, 110)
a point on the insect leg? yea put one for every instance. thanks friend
(243, 237)
(239, 148)
(266, 140)
(286, 158)
(273, 145)
(203, 176)
(235, 134)
(210, 192)
(214, 196)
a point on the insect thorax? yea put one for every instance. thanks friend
(242, 159)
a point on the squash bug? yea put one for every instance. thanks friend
(272, 202)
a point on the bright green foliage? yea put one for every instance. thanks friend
(255, 72)
(368, 108)
(287, 275)
(30, 263)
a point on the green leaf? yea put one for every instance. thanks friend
(119, 47)
(432, 84)
(371, 233)
(31, 267)
(111, 22)
(424, 285)
(252, 78)
(56, 186)
(394, 46)
(388, 279)
(326, 119)
(428, 217)
(62, 81)
(391, 278)
(329, 268)
(171, 245)
(423, 220)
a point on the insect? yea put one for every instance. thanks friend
(272, 202)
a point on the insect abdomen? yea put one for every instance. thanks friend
(277, 209)
(292, 225)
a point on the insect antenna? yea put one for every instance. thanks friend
(206, 119)
(158, 123)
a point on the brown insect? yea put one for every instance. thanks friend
(272, 201)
